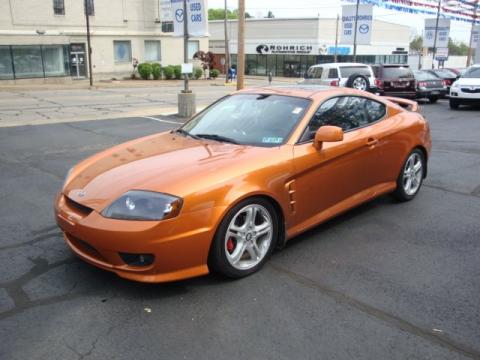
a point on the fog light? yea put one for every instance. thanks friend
(137, 259)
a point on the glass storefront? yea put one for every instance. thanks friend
(33, 61)
(297, 65)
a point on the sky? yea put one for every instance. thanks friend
(459, 31)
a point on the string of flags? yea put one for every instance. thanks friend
(458, 10)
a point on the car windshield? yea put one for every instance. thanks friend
(472, 73)
(347, 71)
(423, 75)
(249, 119)
(394, 72)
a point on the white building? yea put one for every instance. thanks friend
(47, 39)
(288, 46)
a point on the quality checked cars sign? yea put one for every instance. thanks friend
(364, 24)
(197, 18)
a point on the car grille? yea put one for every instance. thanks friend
(81, 209)
(471, 91)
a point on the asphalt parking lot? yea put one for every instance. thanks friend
(384, 281)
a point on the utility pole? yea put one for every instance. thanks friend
(186, 98)
(241, 45)
(336, 39)
(185, 46)
(89, 50)
(227, 50)
(355, 33)
(470, 44)
(436, 34)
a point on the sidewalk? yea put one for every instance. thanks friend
(34, 105)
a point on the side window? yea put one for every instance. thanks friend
(333, 74)
(318, 73)
(347, 112)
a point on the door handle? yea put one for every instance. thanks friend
(372, 142)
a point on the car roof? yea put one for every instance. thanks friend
(339, 64)
(303, 90)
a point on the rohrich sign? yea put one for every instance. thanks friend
(284, 49)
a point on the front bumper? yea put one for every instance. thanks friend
(180, 245)
(460, 97)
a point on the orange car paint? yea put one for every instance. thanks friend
(211, 177)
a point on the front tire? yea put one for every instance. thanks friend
(411, 176)
(453, 104)
(245, 238)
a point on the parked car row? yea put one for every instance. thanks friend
(399, 80)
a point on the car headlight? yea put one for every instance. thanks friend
(143, 205)
(66, 177)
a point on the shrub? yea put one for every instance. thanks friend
(177, 69)
(156, 71)
(214, 73)
(145, 69)
(197, 73)
(168, 72)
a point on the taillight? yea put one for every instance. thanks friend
(447, 82)
(334, 83)
(379, 83)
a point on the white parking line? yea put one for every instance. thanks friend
(161, 120)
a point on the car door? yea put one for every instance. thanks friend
(341, 173)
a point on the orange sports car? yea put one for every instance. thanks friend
(251, 171)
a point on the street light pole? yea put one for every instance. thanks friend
(241, 45)
(470, 44)
(436, 34)
(89, 50)
(336, 39)
(355, 33)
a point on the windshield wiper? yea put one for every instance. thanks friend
(184, 132)
(217, 137)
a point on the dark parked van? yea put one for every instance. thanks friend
(394, 80)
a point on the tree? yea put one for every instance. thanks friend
(416, 44)
(457, 48)
(270, 15)
(219, 14)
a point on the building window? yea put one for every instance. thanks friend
(167, 26)
(27, 61)
(59, 7)
(193, 46)
(122, 51)
(55, 60)
(6, 70)
(152, 50)
(90, 8)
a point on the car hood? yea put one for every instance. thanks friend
(165, 162)
(467, 81)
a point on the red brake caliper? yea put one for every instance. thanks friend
(230, 245)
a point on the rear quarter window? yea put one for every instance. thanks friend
(347, 71)
(333, 74)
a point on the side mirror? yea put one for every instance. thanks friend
(327, 134)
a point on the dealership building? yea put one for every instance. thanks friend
(288, 46)
(46, 40)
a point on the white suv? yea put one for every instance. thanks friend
(353, 75)
(466, 89)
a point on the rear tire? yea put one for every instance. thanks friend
(454, 104)
(245, 238)
(433, 99)
(411, 176)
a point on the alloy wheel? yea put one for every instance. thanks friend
(412, 174)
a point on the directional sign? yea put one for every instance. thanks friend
(364, 24)
(197, 18)
(443, 32)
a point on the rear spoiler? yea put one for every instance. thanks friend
(410, 105)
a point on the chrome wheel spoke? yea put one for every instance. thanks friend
(250, 231)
